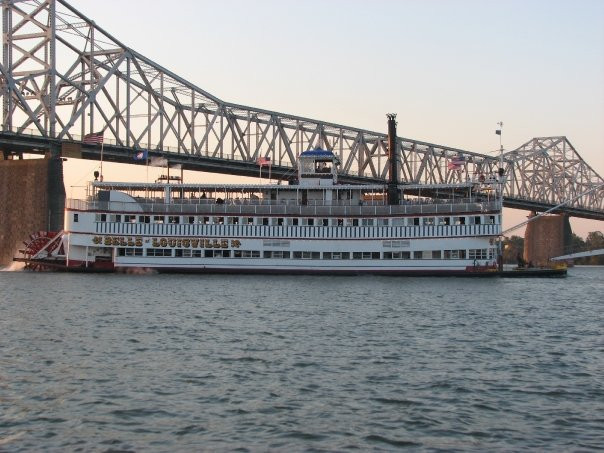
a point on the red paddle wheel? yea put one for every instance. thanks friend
(39, 246)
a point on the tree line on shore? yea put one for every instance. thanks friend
(514, 245)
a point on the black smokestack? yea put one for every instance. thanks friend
(393, 194)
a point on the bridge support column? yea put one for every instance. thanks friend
(546, 237)
(32, 198)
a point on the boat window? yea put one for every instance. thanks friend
(129, 218)
(336, 255)
(394, 255)
(130, 252)
(191, 219)
(418, 255)
(75, 217)
(383, 222)
(280, 221)
(429, 221)
(144, 219)
(218, 220)
(367, 222)
(100, 217)
(173, 219)
(159, 252)
(455, 254)
(307, 255)
(436, 254)
(264, 220)
(491, 219)
(158, 219)
(340, 222)
(325, 222)
(416, 221)
(447, 220)
(246, 253)
(477, 220)
(276, 254)
(478, 254)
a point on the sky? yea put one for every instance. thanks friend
(450, 69)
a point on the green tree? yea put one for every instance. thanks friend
(577, 244)
(512, 247)
(595, 241)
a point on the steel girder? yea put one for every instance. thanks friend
(63, 76)
(548, 170)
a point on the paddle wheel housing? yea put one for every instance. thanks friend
(40, 246)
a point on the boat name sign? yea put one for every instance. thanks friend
(125, 241)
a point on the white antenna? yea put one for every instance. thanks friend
(499, 132)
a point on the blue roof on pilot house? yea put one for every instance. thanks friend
(318, 152)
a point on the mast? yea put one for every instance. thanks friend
(393, 193)
(501, 180)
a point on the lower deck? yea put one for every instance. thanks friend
(243, 254)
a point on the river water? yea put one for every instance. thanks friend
(282, 363)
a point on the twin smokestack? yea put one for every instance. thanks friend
(393, 194)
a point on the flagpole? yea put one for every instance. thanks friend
(102, 144)
(500, 174)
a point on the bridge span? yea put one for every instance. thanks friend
(64, 77)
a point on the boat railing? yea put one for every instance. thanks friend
(281, 209)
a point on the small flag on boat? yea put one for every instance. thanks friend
(456, 162)
(264, 161)
(141, 155)
(94, 138)
(498, 131)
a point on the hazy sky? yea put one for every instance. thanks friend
(450, 69)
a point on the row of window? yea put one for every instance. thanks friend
(295, 221)
(482, 254)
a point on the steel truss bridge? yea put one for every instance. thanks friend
(63, 76)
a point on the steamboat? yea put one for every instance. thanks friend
(311, 225)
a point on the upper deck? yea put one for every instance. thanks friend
(285, 200)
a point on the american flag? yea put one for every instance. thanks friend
(94, 138)
(456, 163)
(264, 161)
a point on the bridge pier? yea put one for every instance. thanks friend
(546, 237)
(32, 198)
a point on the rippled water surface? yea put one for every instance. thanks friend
(194, 362)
